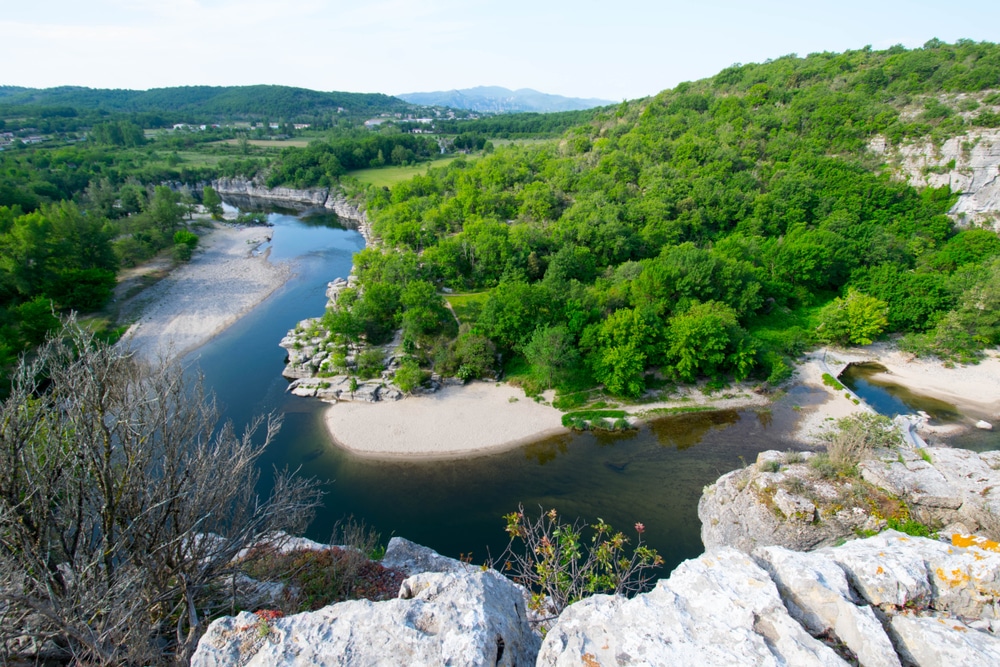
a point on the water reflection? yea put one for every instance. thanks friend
(892, 399)
(687, 430)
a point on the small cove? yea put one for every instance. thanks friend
(891, 399)
(654, 474)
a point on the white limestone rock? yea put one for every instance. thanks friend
(720, 609)
(412, 558)
(817, 594)
(943, 642)
(468, 618)
(968, 164)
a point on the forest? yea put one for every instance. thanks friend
(713, 231)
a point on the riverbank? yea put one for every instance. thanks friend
(973, 389)
(485, 417)
(224, 280)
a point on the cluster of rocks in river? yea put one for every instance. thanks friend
(310, 357)
(889, 600)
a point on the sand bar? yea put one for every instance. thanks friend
(224, 280)
(456, 421)
(479, 418)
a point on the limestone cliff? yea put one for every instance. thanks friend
(246, 192)
(969, 164)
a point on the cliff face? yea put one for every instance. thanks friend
(969, 164)
(245, 192)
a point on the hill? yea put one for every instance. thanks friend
(250, 102)
(714, 231)
(495, 99)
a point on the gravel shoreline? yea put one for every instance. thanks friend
(196, 301)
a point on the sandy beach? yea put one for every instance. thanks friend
(197, 300)
(456, 421)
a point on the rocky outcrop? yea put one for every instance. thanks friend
(254, 190)
(883, 601)
(785, 500)
(969, 164)
(460, 616)
(720, 609)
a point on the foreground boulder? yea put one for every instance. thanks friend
(721, 609)
(884, 601)
(460, 616)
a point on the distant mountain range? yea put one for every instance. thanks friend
(494, 99)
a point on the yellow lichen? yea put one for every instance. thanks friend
(955, 579)
(974, 541)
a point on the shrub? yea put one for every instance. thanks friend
(831, 381)
(408, 376)
(559, 565)
(857, 437)
(370, 363)
(857, 319)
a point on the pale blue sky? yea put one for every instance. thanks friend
(613, 49)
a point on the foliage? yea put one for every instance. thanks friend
(726, 210)
(910, 527)
(371, 363)
(707, 340)
(832, 382)
(184, 244)
(560, 565)
(316, 578)
(550, 351)
(856, 318)
(408, 376)
(583, 420)
(212, 202)
(116, 530)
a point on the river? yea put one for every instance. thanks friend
(654, 474)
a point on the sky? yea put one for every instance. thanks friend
(614, 49)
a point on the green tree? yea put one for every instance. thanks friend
(165, 209)
(857, 319)
(212, 202)
(550, 352)
(619, 358)
(706, 340)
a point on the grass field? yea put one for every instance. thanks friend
(389, 176)
(196, 159)
(520, 142)
(467, 306)
(269, 143)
